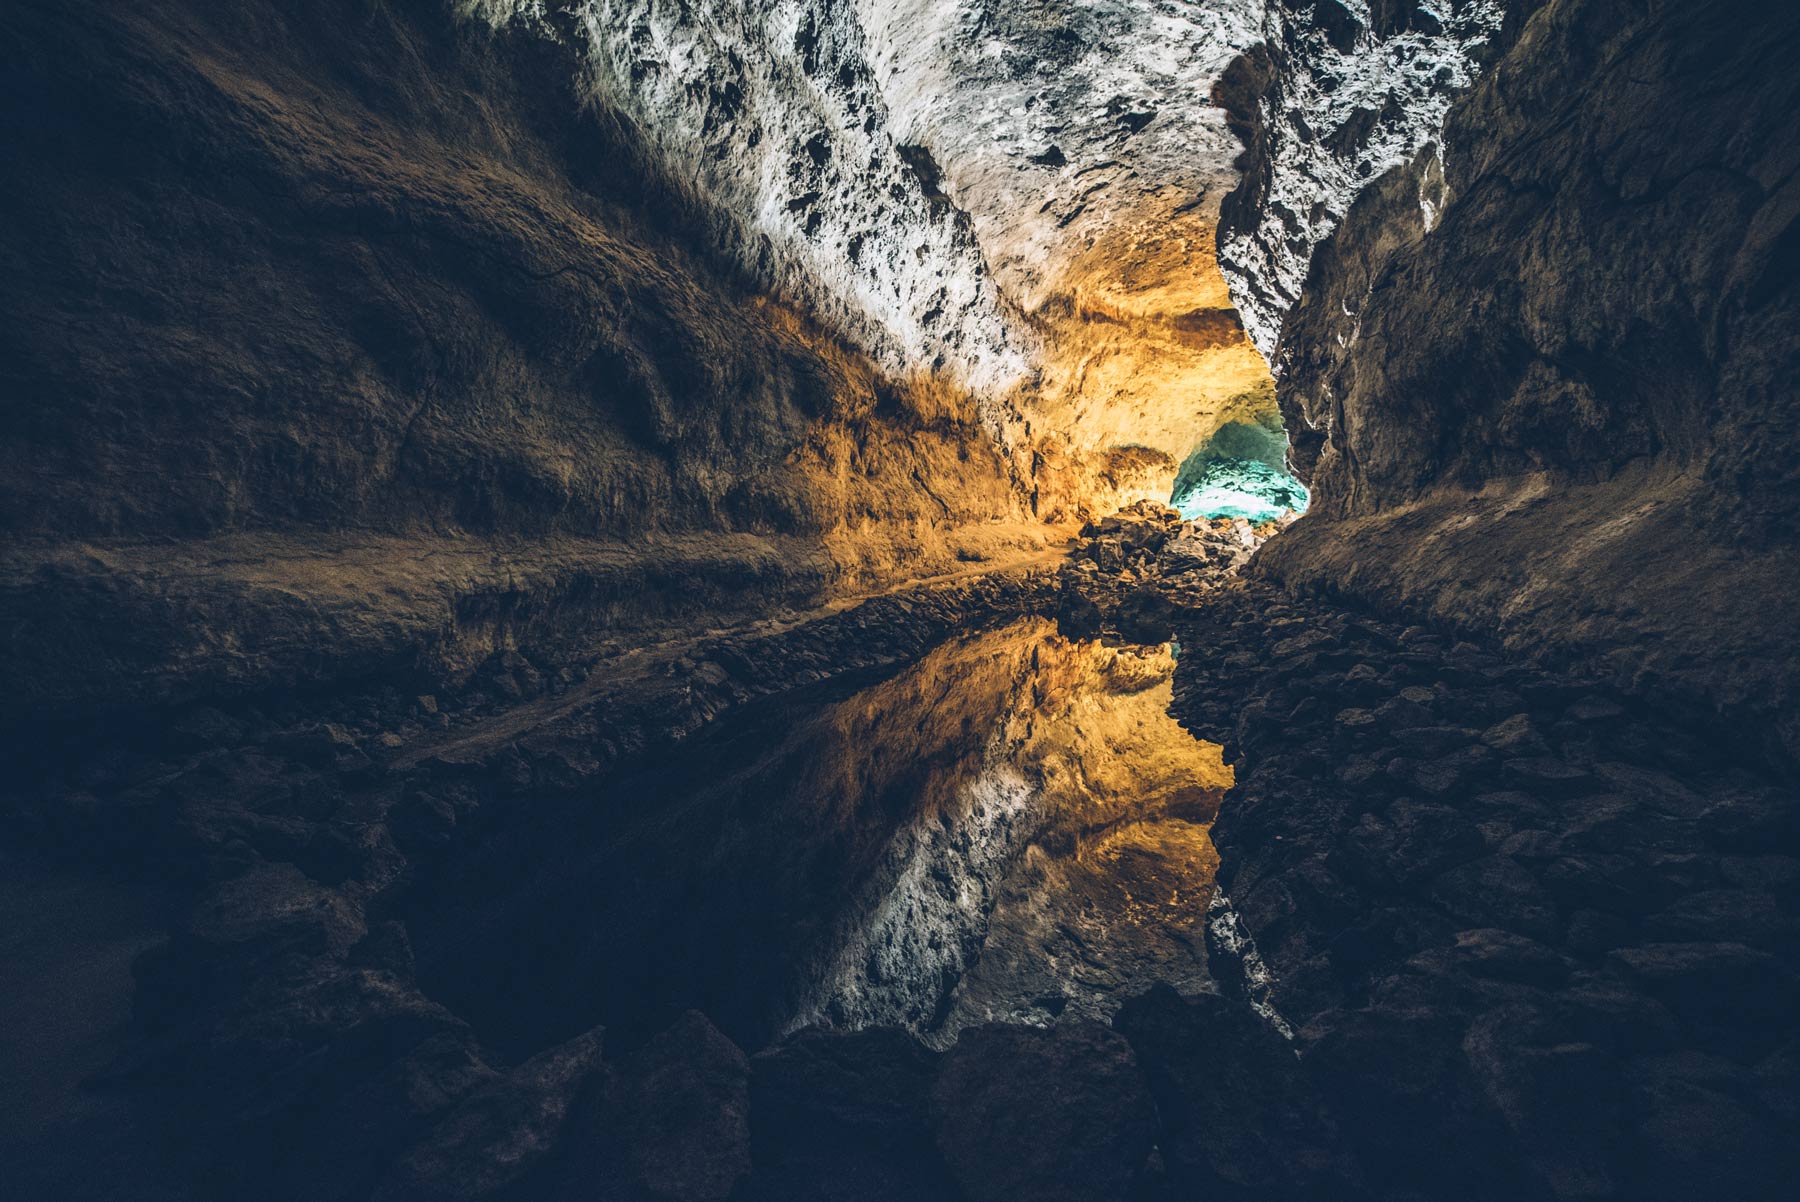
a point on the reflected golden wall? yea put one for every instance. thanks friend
(1060, 851)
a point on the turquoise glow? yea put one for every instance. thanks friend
(1239, 488)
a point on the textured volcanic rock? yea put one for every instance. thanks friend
(1511, 914)
(340, 336)
(1077, 138)
(773, 111)
(1552, 394)
(1020, 196)
(404, 415)
(1061, 125)
(1336, 93)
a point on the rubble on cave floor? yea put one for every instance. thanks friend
(1149, 543)
(1128, 572)
(1538, 936)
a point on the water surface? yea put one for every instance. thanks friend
(1010, 828)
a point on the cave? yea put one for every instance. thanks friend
(925, 601)
(1242, 471)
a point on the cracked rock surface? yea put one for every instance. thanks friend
(1019, 197)
(1550, 923)
(1557, 401)
(1334, 94)
(588, 612)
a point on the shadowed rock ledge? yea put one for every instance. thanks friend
(1543, 378)
(346, 333)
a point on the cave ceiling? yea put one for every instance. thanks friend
(1020, 197)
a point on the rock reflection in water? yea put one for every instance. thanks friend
(1010, 828)
(1073, 866)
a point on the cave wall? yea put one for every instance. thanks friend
(334, 335)
(1021, 196)
(1334, 94)
(1543, 375)
(772, 111)
(1078, 139)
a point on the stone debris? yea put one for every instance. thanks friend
(1130, 568)
(1498, 903)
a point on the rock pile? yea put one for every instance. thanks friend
(1129, 568)
(1536, 938)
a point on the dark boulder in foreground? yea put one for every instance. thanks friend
(1031, 1115)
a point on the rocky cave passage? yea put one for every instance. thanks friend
(919, 601)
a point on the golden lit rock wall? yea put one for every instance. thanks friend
(324, 328)
(1019, 199)
(1079, 139)
(1145, 359)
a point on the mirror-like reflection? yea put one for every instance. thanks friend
(1010, 828)
(1072, 865)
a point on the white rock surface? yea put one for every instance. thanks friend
(772, 112)
(1022, 195)
(923, 174)
(1055, 120)
(1349, 102)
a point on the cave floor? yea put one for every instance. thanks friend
(922, 856)
(1536, 935)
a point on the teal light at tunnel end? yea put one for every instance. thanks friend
(1240, 488)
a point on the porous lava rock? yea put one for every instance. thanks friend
(1542, 376)
(1069, 1105)
(345, 338)
(1506, 973)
